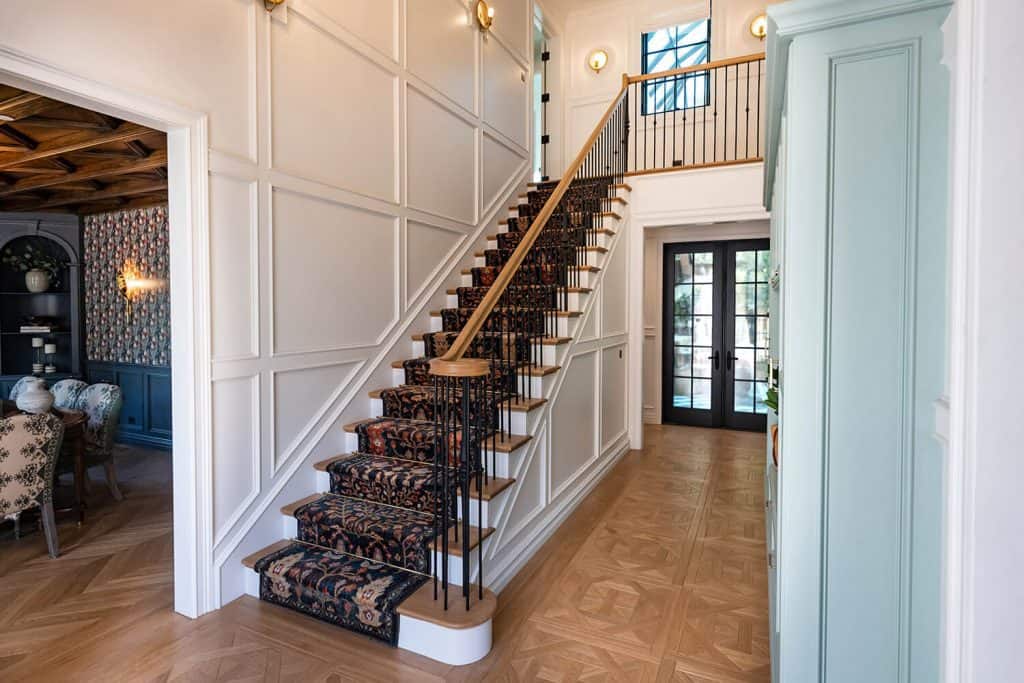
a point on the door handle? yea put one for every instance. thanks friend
(728, 360)
(714, 357)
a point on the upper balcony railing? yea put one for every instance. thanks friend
(697, 116)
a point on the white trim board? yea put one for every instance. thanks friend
(188, 217)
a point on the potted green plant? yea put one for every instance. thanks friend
(41, 269)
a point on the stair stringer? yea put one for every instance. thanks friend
(257, 523)
(516, 541)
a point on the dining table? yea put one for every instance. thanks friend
(73, 447)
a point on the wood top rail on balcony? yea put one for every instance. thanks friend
(707, 66)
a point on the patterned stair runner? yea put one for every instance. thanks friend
(366, 546)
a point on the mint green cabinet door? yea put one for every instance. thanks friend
(862, 339)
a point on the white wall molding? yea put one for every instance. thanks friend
(964, 343)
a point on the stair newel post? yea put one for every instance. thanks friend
(463, 380)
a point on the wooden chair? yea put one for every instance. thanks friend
(101, 404)
(29, 446)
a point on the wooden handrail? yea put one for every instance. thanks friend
(476, 321)
(756, 57)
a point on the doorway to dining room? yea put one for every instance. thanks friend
(87, 197)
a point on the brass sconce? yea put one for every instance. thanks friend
(597, 60)
(484, 15)
(759, 26)
(271, 5)
(130, 284)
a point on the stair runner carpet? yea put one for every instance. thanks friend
(366, 546)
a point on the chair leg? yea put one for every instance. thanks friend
(17, 526)
(50, 529)
(108, 466)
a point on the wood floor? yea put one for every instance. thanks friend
(658, 576)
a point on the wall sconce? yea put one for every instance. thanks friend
(597, 60)
(271, 5)
(130, 284)
(484, 15)
(759, 26)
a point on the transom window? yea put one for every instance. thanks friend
(672, 48)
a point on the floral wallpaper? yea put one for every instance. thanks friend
(137, 238)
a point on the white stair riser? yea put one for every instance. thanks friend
(576, 302)
(564, 325)
(539, 385)
(500, 460)
(599, 240)
(519, 424)
(585, 279)
(593, 258)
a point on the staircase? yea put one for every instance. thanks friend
(393, 547)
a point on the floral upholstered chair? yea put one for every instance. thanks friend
(101, 404)
(29, 445)
(66, 393)
(19, 387)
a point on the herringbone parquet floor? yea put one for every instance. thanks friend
(658, 576)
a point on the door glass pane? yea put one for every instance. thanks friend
(702, 394)
(683, 330)
(704, 267)
(745, 304)
(684, 363)
(703, 299)
(681, 393)
(743, 397)
(702, 330)
(693, 306)
(744, 368)
(751, 324)
(760, 392)
(745, 266)
(746, 331)
(684, 267)
(702, 361)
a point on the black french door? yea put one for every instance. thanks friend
(715, 320)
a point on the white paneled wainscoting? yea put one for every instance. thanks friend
(357, 152)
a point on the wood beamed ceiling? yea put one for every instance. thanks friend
(58, 157)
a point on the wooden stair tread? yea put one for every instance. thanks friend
(532, 370)
(421, 605)
(599, 214)
(523, 405)
(592, 269)
(601, 231)
(251, 560)
(547, 341)
(322, 465)
(560, 313)
(617, 186)
(507, 443)
(476, 535)
(620, 200)
(289, 509)
(492, 488)
(571, 290)
(598, 249)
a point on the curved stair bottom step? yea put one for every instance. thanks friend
(402, 613)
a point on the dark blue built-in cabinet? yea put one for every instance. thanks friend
(146, 413)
